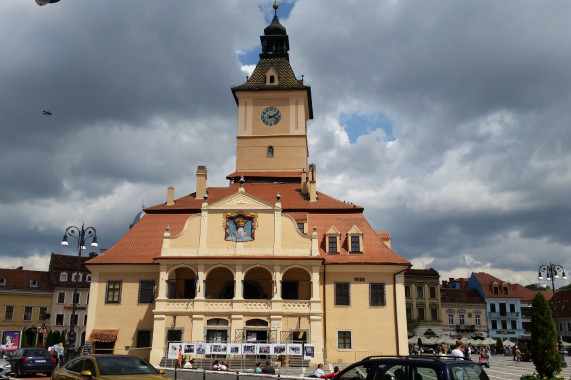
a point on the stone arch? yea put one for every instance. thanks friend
(296, 284)
(219, 283)
(181, 282)
(258, 283)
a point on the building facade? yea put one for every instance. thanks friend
(63, 273)
(422, 292)
(268, 259)
(463, 313)
(25, 296)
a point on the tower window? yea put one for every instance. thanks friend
(270, 152)
(272, 79)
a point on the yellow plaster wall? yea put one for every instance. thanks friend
(373, 328)
(290, 153)
(19, 300)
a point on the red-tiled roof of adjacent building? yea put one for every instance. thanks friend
(528, 294)
(563, 303)
(448, 295)
(384, 234)
(20, 279)
(422, 272)
(489, 283)
(68, 264)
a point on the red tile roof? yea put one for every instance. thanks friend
(21, 280)
(528, 294)
(488, 282)
(142, 244)
(291, 199)
(66, 263)
(461, 296)
(431, 272)
(563, 303)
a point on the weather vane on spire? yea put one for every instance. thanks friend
(276, 7)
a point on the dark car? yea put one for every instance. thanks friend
(32, 360)
(110, 367)
(413, 368)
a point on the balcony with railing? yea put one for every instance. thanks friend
(503, 315)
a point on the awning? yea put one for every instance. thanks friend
(103, 335)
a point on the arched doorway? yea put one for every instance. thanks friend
(219, 284)
(181, 284)
(258, 284)
(296, 284)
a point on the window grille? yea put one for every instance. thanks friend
(113, 292)
(333, 244)
(342, 294)
(144, 338)
(377, 294)
(146, 291)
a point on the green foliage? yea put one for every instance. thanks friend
(23, 339)
(499, 346)
(62, 337)
(535, 376)
(543, 338)
(49, 339)
(536, 287)
(419, 342)
(565, 287)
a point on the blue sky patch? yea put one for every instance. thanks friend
(359, 124)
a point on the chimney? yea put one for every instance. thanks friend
(312, 183)
(170, 196)
(200, 181)
(303, 181)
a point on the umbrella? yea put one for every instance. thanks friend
(488, 341)
(508, 343)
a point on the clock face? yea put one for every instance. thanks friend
(271, 116)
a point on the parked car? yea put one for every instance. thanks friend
(110, 366)
(5, 369)
(32, 360)
(413, 368)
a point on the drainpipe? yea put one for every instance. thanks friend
(324, 313)
(395, 303)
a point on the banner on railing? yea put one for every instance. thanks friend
(291, 349)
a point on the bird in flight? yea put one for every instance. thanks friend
(47, 113)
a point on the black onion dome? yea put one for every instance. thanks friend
(275, 28)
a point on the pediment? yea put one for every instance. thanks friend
(240, 201)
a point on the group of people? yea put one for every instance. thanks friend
(220, 366)
(268, 369)
(319, 372)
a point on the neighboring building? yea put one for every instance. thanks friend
(562, 311)
(266, 259)
(503, 307)
(25, 297)
(63, 272)
(525, 304)
(463, 313)
(422, 292)
(455, 283)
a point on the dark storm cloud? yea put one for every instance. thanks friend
(477, 176)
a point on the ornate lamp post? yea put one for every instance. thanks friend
(79, 234)
(551, 273)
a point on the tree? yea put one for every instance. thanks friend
(499, 345)
(50, 339)
(24, 339)
(543, 338)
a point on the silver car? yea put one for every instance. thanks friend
(5, 369)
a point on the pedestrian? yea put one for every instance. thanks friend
(332, 374)
(517, 355)
(87, 348)
(258, 368)
(269, 369)
(515, 349)
(60, 352)
(319, 371)
(458, 350)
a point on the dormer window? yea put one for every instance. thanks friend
(270, 152)
(332, 240)
(87, 278)
(63, 277)
(505, 290)
(33, 283)
(76, 277)
(355, 240)
(272, 77)
(496, 290)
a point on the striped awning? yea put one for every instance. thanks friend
(103, 335)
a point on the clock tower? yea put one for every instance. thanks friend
(273, 110)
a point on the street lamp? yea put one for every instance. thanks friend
(551, 273)
(79, 234)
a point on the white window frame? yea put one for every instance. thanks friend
(450, 319)
(6, 311)
(31, 314)
(478, 319)
(63, 276)
(74, 275)
(62, 319)
(462, 317)
(88, 277)
(337, 339)
(64, 297)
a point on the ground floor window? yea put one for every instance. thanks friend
(144, 338)
(344, 340)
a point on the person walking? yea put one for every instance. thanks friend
(269, 369)
(517, 355)
(458, 350)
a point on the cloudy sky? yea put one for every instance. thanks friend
(449, 121)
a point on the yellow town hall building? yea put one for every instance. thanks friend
(268, 259)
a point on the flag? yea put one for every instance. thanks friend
(196, 279)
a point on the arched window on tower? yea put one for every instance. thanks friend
(270, 151)
(272, 79)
